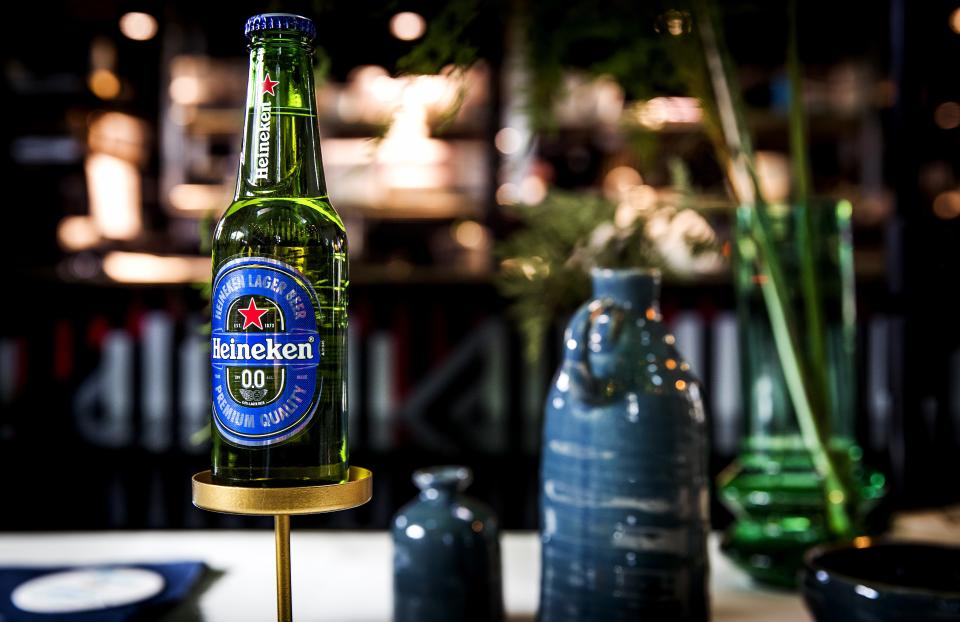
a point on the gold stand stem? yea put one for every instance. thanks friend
(280, 503)
(281, 524)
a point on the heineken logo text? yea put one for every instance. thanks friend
(269, 350)
(263, 129)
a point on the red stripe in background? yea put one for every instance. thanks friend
(134, 320)
(97, 330)
(63, 350)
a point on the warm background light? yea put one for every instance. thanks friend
(138, 26)
(76, 233)
(507, 194)
(118, 134)
(508, 141)
(116, 143)
(407, 26)
(113, 186)
(619, 180)
(947, 205)
(185, 90)
(199, 197)
(533, 190)
(773, 173)
(470, 234)
(660, 112)
(955, 21)
(947, 115)
(104, 84)
(147, 268)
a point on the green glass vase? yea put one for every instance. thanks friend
(773, 489)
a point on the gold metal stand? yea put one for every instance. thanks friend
(281, 503)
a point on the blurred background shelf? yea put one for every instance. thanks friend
(127, 157)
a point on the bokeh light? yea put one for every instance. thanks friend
(104, 84)
(947, 115)
(947, 205)
(619, 180)
(508, 141)
(138, 26)
(469, 234)
(76, 233)
(407, 26)
(185, 90)
(955, 21)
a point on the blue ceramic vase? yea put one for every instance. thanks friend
(624, 484)
(446, 562)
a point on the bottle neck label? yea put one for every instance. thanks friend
(281, 143)
(264, 351)
(264, 129)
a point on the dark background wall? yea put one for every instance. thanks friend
(437, 373)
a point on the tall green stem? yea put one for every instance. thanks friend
(736, 146)
(815, 438)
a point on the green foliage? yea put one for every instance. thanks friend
(447, 40)
(625, 40)
(536, 274)
(546, 264)
(321, 66)
(616, 38)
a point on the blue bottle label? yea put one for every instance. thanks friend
(264, 349)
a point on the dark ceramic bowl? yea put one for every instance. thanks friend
(883, 582)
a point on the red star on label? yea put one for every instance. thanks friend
(268, 85)
(251, 315)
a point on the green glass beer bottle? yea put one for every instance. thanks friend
(279, 300)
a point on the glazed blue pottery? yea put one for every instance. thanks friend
(883, 582)
(446, 562)
(624, 484)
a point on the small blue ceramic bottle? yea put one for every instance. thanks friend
(624, 483)
(446, 561)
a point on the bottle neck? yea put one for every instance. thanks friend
(280, 155)
(635, 288)
(442, 483)
(439, 494)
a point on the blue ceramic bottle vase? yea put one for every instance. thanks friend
(624, 483)
(446, 564)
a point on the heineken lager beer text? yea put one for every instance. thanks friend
(279, 303)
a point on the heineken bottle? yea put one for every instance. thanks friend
(279, 301)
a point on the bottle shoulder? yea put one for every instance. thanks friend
(303, 220)
(309, 209)
(459, 514)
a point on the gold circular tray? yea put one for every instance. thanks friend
(356, 491)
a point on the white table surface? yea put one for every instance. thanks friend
(338, 576)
